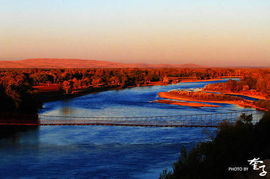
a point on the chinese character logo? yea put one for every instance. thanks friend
(258, 165)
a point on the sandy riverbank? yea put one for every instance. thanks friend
(185, 103)
(248, 95)
(192, 80)
(257, 96)
(242, 103)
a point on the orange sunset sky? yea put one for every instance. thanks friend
(205, 32)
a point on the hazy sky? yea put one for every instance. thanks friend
(206, 32)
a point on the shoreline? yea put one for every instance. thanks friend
(58, 95)
(55, 96)
(185, 103)
(243, 103)
(192, 80)
(241, 94)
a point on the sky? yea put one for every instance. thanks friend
(204, 32)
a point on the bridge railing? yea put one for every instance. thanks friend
(206, 119)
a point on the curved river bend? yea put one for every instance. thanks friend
(104, 151)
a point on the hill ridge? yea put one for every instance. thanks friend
(83, 63)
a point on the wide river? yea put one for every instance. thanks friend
(104, 151)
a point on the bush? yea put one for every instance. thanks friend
(233, 146)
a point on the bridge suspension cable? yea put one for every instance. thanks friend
(187, 120)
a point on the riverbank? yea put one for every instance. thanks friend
(54, 96)
(237, 100)
(47, 96)
(59, 95)
(185, 103)
(194, 80)
(248, 95)
(243, 93)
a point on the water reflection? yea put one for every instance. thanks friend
(14, 134)
(95, 151)
(13, 126)
(66, 110)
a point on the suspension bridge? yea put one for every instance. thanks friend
(193, 120)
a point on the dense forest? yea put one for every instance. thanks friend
(16, 93)
(233, 146)
(254, 83)
(22, 89)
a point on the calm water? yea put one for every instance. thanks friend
(104, 151)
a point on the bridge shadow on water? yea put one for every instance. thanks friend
(12, 125)
(195, 120)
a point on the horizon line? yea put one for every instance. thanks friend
(205, 66)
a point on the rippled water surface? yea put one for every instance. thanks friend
(104, 151)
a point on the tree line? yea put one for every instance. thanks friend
(257, 82)
(253, 82)
(17, 86)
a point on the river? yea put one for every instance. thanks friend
(104, 151)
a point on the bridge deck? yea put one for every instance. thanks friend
(103, 124)
(197, 120)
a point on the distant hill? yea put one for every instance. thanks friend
(78, 63)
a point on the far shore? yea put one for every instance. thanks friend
(58, 95)
(242, 103)
(185, 103)
(257, 96)
(194, 80)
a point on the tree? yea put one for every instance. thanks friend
(67, 86)
(232, 146)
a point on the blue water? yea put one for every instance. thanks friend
(104, 151)
(245, 97)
